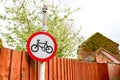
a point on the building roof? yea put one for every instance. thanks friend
(98, 40)
(107, 54)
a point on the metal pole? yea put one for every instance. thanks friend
(42, 71)
(44, 28)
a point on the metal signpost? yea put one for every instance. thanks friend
(42, 71)
(44, 28)
(42, 46)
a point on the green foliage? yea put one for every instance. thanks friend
(24, 17)
(1, 44)
(97, 41)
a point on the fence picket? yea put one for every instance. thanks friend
(62, 69)
(65, 69)
(55, 68)
(70, 69)
(59, 68)
(25, 67)
(50, 69)
(33, 69)
(5, 62)
(15, 67)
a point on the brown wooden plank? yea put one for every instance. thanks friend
(111, 71)
(85, 71)
(50, 69)
(39, 70)
(5, 58)
(46, 71)
(65, 71)
(94, 76)
(25, 67)
(33, 70)
(55, 76)
(16, 65)
(88, 70)
(68, 69)
(117, 70)
(91, 71)
(73, 71)
(59, 68)
(103, 71)
(82, 69)
(77, 70)
(62, 69)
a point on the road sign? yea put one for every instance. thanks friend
(41, 46)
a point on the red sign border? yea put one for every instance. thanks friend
(41, 59)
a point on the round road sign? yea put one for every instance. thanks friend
(41, 46)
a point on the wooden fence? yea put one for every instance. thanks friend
(114, 71)
(16, 65)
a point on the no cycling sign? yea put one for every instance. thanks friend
(41, 46)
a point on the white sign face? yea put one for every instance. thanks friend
(41, 46)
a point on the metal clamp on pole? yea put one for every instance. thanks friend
(44, 26)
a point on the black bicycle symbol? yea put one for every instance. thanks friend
(43, 45)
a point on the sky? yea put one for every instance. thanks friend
(97, 16)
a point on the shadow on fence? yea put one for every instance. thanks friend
(16, 65)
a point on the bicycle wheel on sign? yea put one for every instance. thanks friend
(49, 49)
(34, 48)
